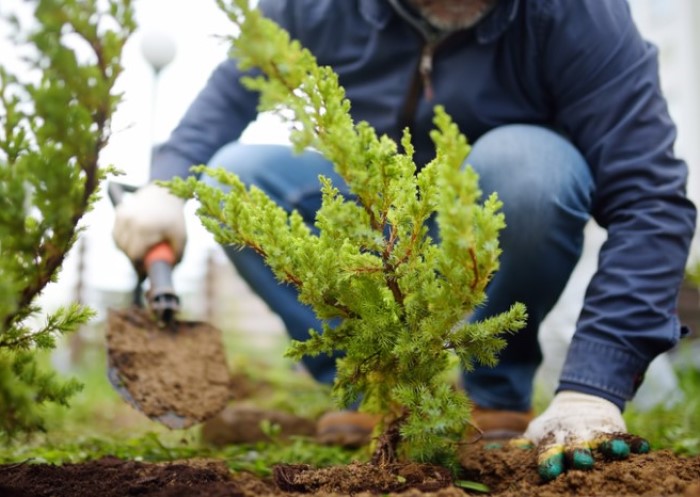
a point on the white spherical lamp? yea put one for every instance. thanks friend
(158, 49)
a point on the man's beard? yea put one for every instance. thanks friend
(452, 15)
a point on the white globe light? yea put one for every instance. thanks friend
(158, 49)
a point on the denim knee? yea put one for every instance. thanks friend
(538, 175)
(289, 179)
(546, 188)
(245, 160)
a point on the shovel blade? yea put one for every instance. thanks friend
(176, 375)
(169, 419)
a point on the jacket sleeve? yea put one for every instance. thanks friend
(218, 115)
(604, 84)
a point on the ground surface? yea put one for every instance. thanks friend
(508, 472)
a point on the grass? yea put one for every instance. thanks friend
(257, 458)
(677, 427)
(99, 423)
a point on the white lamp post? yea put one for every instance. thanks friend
(158, 49)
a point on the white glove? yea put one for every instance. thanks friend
(572, 427)
(575, 416)
(152, 215)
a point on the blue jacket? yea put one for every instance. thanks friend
(579, 66)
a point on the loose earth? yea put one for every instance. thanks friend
(507, 471)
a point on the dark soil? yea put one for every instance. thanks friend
(512, 472)
(509, 472)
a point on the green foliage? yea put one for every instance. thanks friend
(258, 458)
(692, 274)
(99, 423)
(399, 297)
(51, 132)
(676, 427)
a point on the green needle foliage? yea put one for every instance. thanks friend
(51, 132)
(392, 298)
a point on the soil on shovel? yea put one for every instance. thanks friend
(509, 472)
(164, 372)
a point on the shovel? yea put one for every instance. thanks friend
(173, 371)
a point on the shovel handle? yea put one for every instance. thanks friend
(158, 263)
(117, 190)
(163, 300)
(160, 252)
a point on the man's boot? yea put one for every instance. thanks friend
(346, 428)
(490, 424)
(241, 424)
(354, 429)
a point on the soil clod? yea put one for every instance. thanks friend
(356, 477)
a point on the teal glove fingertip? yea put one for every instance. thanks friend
(615, 448)
(640, 446)
(581, 459)
(551, 466)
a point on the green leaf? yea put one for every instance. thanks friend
(472, 485)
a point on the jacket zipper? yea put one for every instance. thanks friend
(422, 79)
(424, 72)
(425, 69)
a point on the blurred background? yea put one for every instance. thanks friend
(169, 60)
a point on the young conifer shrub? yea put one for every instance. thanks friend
(396, 296)
(52, 128)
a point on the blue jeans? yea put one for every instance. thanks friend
(546, 188)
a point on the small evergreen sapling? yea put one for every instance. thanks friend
(51, 133)
(396, 296)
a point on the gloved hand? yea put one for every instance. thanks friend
(573, 428)
(152, 215)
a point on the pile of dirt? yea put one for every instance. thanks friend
(355, 478)
(509, 472)
(512, 472)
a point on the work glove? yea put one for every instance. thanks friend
(152, 215)
(576, 426)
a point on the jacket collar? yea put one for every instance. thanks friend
(497, 22)
(378, 13)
